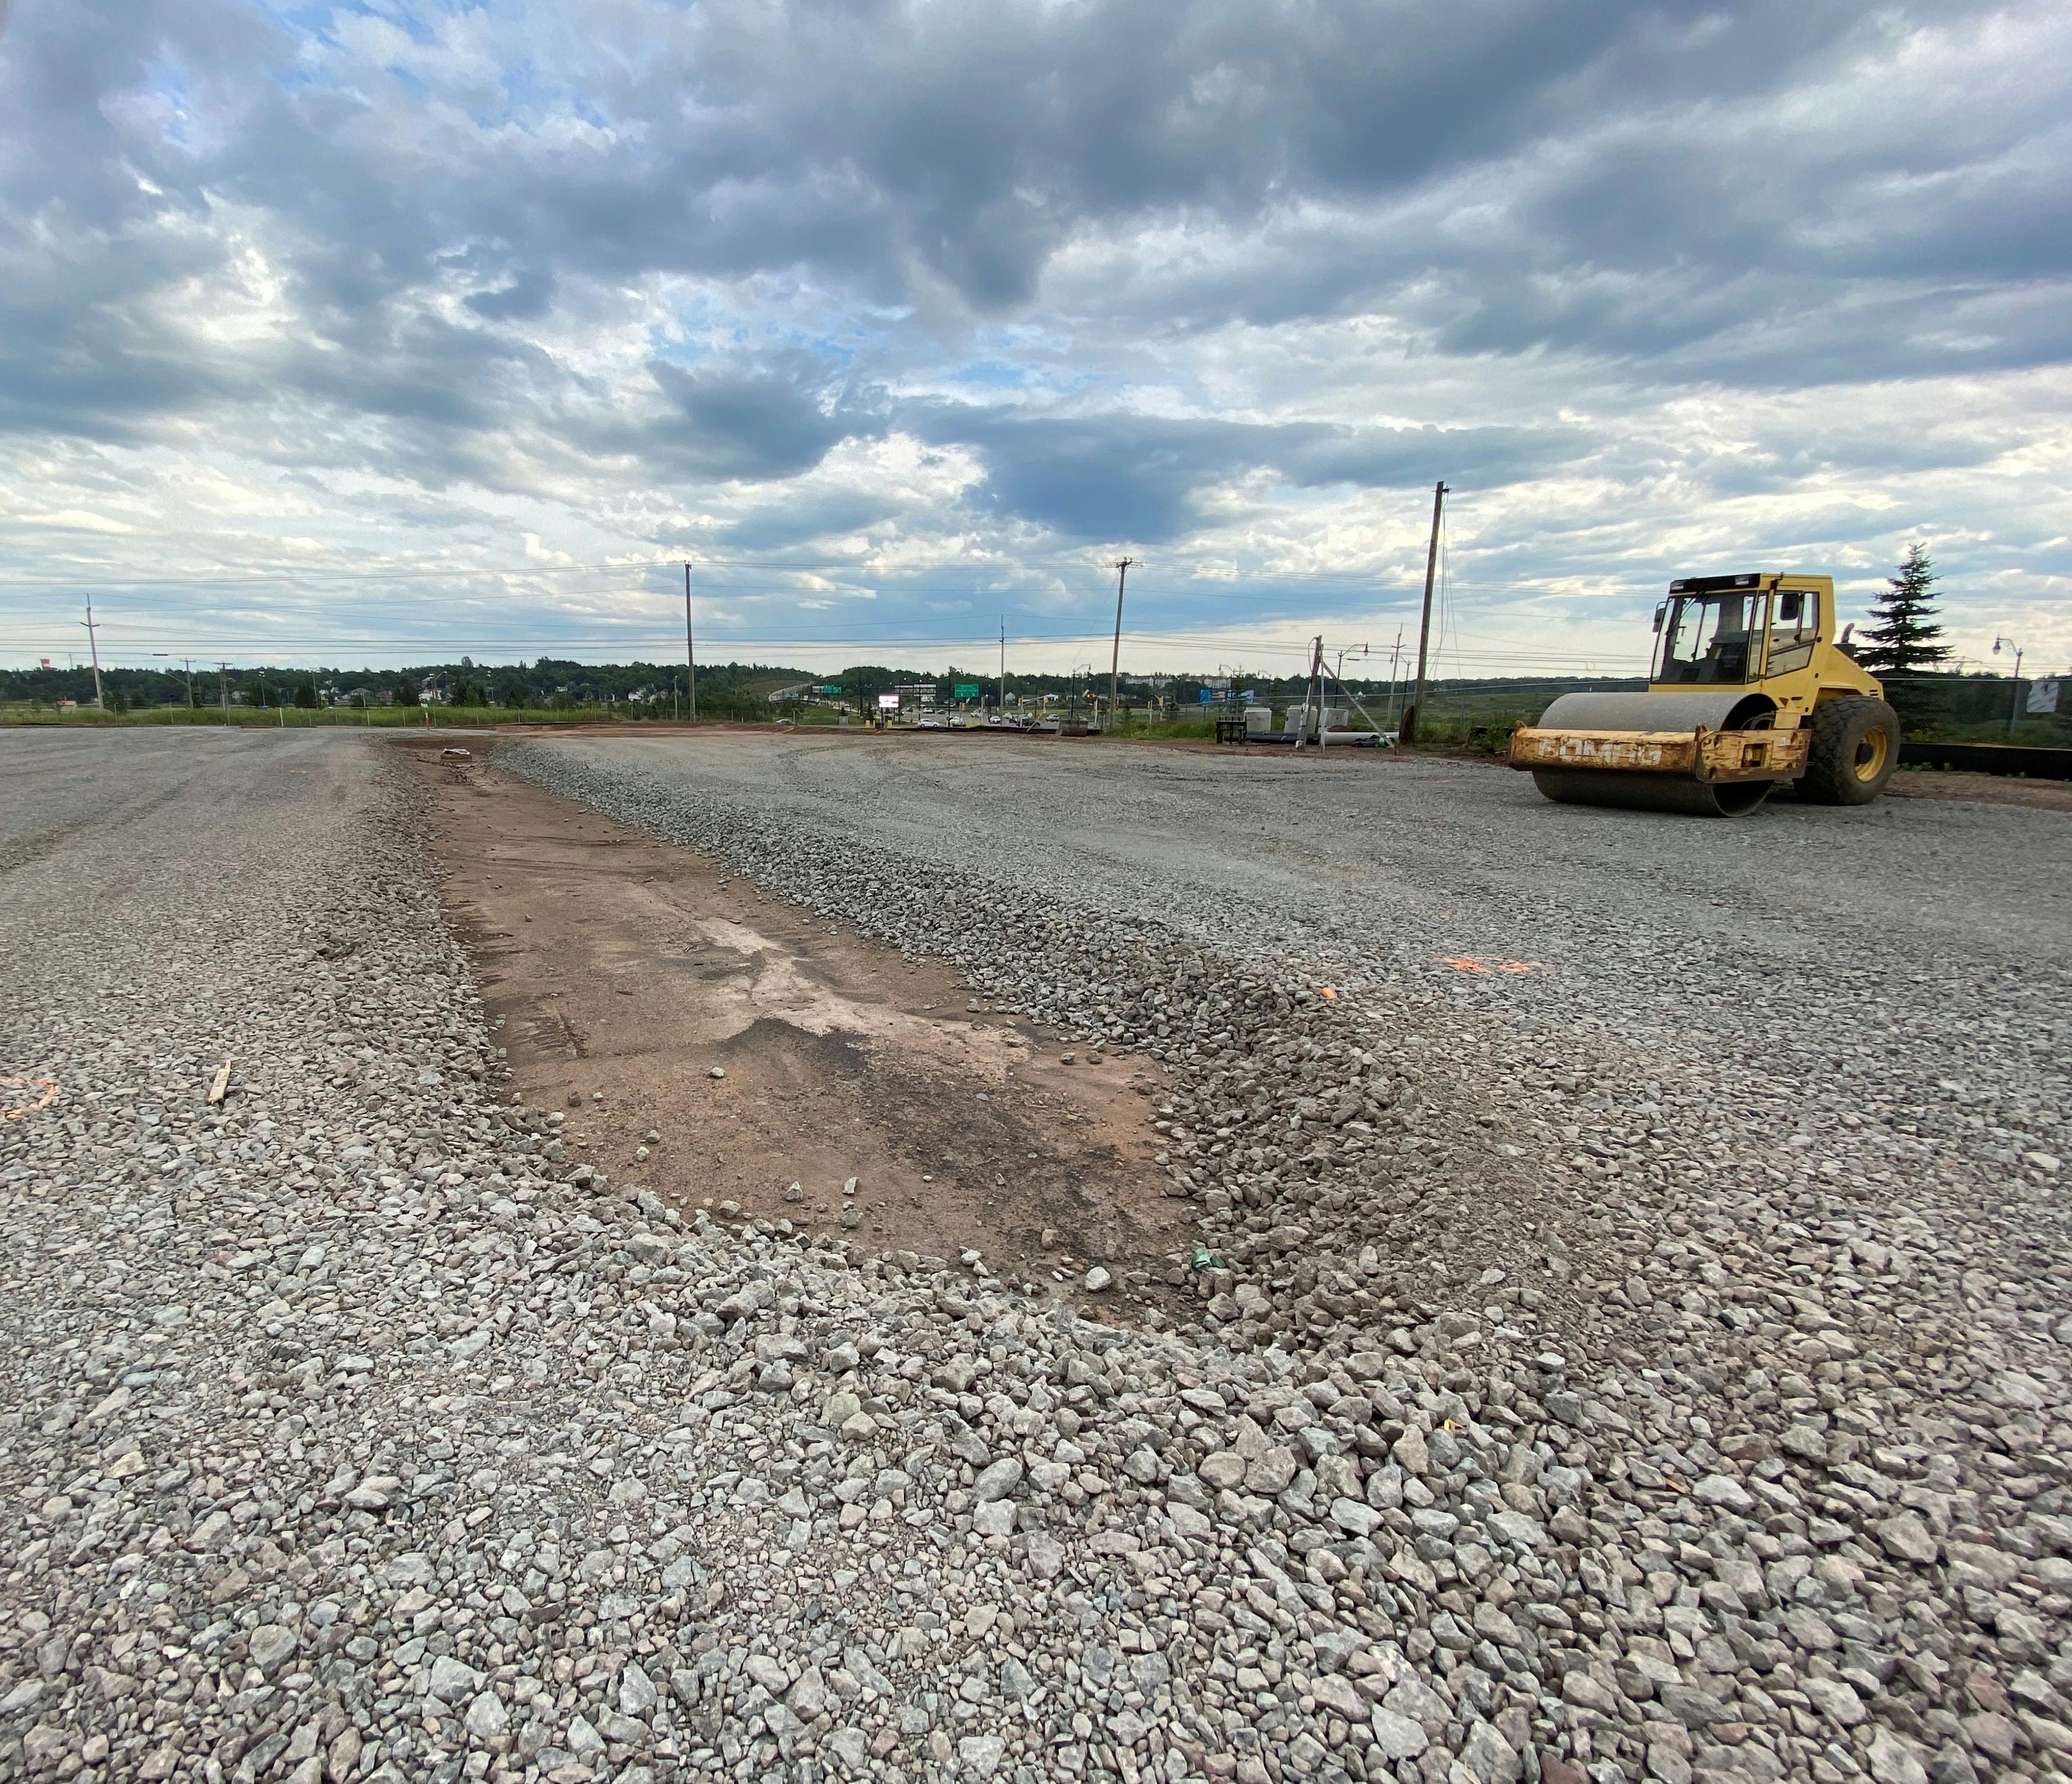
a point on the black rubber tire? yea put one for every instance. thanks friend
(1855, 748)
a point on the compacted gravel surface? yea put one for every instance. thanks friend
(1628, 1327)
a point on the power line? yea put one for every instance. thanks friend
(301, 577)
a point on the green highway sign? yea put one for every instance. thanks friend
(966, 690)
(827, 691)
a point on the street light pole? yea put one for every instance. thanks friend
(2014, 698)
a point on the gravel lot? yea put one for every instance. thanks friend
(1649, 1363)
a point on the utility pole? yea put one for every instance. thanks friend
(95, 644)
(222, 688)
(1115, 660)
(690, 647)
(1003, 669)
(186, 663)
(1415, 715)
(1313, 696)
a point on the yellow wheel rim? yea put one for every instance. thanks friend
(1871, 753)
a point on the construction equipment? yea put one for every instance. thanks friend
(1748, 691)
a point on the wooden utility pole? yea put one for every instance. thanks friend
(1115, 660)
(1415, 715)
(1003, 669)
(690, 647)
(1313, 696)
(94, 643)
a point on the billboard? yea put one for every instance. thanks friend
(889, 702)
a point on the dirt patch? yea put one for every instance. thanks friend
(1992, 789)
(625, 972)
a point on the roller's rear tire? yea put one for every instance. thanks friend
(1854, 751)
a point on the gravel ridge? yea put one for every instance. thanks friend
(352, 1433)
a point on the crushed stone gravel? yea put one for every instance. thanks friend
(1572, 1394)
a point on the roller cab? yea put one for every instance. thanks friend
(1747, 692)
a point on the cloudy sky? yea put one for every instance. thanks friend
(381, 332)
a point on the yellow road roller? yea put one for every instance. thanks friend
(1747, 692)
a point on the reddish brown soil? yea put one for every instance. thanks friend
(619, 965)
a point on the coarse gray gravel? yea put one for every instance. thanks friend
(1575, 1390)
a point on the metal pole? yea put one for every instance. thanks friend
(1115, 660)
(1003, 669)
(690, 647)
(1415, 715)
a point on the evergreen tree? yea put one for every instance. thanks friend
(1904, 642)
(305, 695)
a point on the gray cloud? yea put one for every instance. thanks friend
(1239, 265)
(526, 297)
(756, 419)
(1137, 477)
